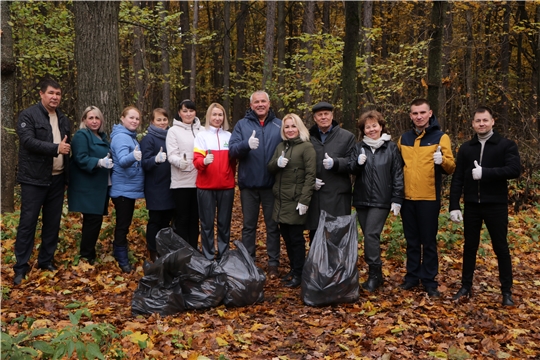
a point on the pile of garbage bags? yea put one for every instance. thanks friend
(183, 279)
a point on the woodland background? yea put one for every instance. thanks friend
(356, 54)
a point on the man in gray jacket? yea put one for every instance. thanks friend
(333, 146)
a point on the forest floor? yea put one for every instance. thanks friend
(388, 324)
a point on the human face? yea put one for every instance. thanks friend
(290, 130)
(216, 118)
(51, 98)
(131, 120)
(420, 116)
(372, 129)
(483, 123)
(260, 104)
(160, 121)
(187, 115)
(323, 119)
(92, 121)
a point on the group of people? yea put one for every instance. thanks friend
(187, 172)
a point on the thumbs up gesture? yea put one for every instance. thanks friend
(328, 162)
(477, 171)
(161, 156)
(209, 158)
(437, 156)
(184, 163)
(64, 147)
(253, 142)
(137, 154)
(282, 161)
(106, 162)
(362, 157)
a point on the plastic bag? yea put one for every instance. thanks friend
(245, 281)
(330, 275)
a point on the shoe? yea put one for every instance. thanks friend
(18, 278)
(287, 277)
(125, 268)
(407, 285)
(462, 293)
(273, 272)
(48, 267)
(295, 282)
(432, 292)
(375, 279)
(507, 299)
(90, 261)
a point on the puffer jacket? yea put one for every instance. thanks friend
(379, 181)
(421, 176)
(36, 147)
(127, 176)
(294, 183)
(179, 141)
(252, 170)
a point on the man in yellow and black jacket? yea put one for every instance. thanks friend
(427, 154)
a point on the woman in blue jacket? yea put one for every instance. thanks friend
(127, 180)
(157, 179)
(88, 191)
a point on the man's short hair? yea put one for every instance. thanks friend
(420, 101)
(45, 83)
(259, 92)
(483, 109)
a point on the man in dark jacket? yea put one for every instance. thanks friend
(484, 164)
(44, 133)
(252, 143)
(333, 146)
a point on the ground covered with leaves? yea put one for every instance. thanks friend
(85, 310)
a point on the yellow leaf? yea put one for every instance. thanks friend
(343, 347)
(221, 313)
(257, 326)
(137, 336)
(221, 342)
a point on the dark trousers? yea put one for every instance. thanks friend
(296, 246)
(90, 233)
(124, 214)
(209, 201)
(372, 221)
(157, 220)
(496, 218)
(48, 200)
(420, 226)
(251, 200)
(186, 221)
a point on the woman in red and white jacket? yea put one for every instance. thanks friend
(215, 180)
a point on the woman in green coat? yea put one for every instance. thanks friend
(89, 178)
(294, 166)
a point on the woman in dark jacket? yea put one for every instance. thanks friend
(294, 166)
(378, 188)
(88, 191)
(157, 179)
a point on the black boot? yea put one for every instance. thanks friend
(375, 279)
(295, 281)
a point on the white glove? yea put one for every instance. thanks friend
(253, 142)
(209, 158)
(282, 161)
(161, 156)
(137, 154)
(184, 163)
(106, 162)
(477, 171)
(328, 162)
(395, 208)
(318, 184)
(455, 216)
(437, 156)
(362, 157)
(302, 209)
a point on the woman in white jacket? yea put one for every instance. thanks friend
(183, 174)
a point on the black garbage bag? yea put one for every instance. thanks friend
(208, 292)
(245, 281)
(151, 298)
(330, 275)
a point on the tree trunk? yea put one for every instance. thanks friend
(537, 53)
(326, 17)
(193, 73)
(9, 148)
(139, 66)
(438, 15)
(165, 62)
(281, 27)
(468, 63)
(227, 57)
(505, 65)
(186, 49)
(97, 58)
(239, 107)
(366, 31)
(349, 74)
(308, 28)
(271, 7)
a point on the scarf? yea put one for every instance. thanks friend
(157, 132)
(375, 144)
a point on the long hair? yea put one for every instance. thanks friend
(303, 132)
(225, 124)
(99, 115)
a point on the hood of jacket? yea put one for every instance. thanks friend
(251, 115)
(121, 129)
(196, 124)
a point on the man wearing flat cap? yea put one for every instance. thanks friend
(333, 146)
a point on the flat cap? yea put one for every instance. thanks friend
(322, 106)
